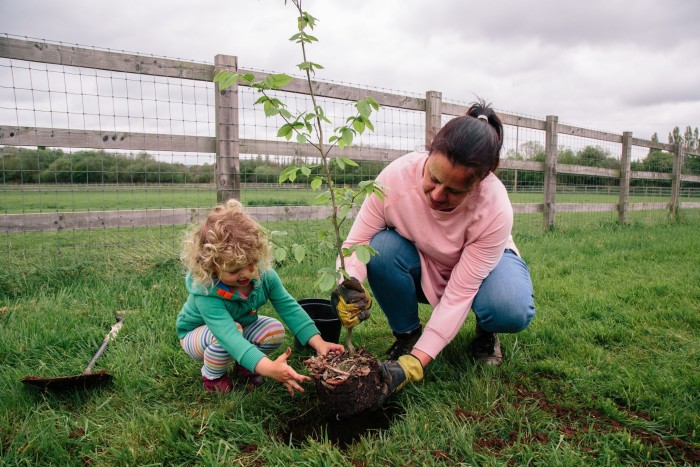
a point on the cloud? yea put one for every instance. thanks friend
(607, 64)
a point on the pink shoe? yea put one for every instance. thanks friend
(221, 385)
(248, 377)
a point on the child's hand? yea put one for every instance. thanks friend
(322, 347)
(279, 370)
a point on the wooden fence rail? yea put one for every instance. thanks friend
(227, 145)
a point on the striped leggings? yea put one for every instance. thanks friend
(266, 333)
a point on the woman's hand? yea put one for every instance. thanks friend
(322, 347)
(279, 370)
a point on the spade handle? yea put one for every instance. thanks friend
(110, 335)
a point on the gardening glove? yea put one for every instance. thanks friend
(351, 302)
(397, 373)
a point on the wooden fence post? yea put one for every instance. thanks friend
(550, 171)
(676, 180)
(228, 166)
(433, 115)
(625, 163)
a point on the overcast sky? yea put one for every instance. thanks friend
(613, 65)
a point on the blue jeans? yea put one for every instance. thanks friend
(503, 304)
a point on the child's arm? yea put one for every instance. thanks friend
(279, 370)
(322, 347)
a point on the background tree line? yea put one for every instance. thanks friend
(594, 156)
(21, 165)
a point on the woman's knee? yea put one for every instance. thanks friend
(384, 243)
(506, 316)
(505, 300)
(393, 251)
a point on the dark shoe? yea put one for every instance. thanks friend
(404, 343)
(486, 348)
(221, 385)
(250, 379)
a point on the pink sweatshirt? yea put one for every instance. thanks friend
(457, 249)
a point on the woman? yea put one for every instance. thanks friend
(443, 236)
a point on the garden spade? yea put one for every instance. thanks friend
(87, 378)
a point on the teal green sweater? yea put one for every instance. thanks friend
(220, 309)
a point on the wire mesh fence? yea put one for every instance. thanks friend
(102, 150)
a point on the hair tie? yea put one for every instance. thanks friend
(483, 117)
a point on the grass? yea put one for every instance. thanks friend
(606, 374)
(66, 198)
(16, 199)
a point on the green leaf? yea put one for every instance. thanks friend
(270, 107)
(364, 108)
(327, 281)
(339, 162)
(304, 20)
(285, 131)
(308, 38)
(282, 80)
(349, 162)
(346, 135)
(310, 66)
(280, 254)
(362, 254)
(359, 125)
(276, 81)
(306, 171)
(226, 78)
(303, 38)
(279, 233)
(288, 173)
(301, 138)
(323, 197)
(271, 112)
(299, 253)
(316, 183)
(344, 210)
(221, 75)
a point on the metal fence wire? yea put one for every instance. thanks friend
(101, 150)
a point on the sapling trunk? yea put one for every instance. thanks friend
(324, 160)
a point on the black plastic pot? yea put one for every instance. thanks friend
(325, 319)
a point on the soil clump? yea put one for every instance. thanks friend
(346, 385)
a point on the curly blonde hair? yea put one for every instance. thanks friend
(228, 238)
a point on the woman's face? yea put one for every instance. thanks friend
(445, 184)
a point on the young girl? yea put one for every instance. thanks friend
(229, 279)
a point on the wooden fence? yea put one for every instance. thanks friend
(227, 145)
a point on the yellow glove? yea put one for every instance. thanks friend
(397, 373)
(351, 302)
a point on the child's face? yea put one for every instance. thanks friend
(239, 276)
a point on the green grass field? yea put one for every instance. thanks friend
(15, 199)
(48, 198)
(607, 374)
